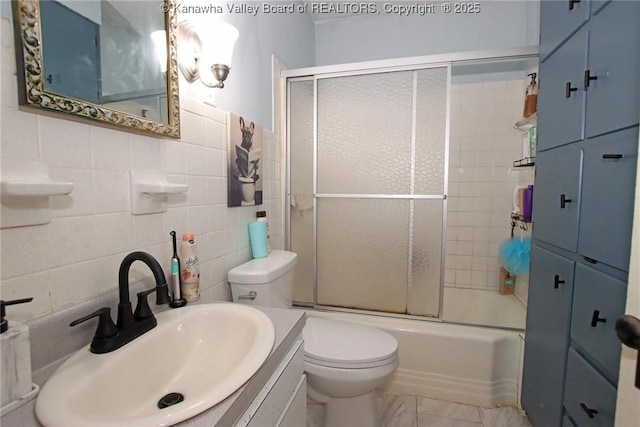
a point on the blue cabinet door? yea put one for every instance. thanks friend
(556, 197)
(561, 96)
(598, 300)
(558, 20)
(608, 185)
(611, 77)
(547, 336)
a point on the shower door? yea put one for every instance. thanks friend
(367, 189)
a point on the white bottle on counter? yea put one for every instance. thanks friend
(190, 273)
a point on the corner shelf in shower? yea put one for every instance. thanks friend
(521, 218)
(527, 162)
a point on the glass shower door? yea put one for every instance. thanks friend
(378, 157)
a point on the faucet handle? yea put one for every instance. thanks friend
(143, 311)
(106, 327)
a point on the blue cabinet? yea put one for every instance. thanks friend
(547, 336)
(588, 110)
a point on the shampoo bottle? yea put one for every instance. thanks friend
(190, 273)
(531, 96)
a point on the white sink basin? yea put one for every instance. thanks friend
(205, 352)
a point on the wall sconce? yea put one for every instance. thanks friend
(199, 48)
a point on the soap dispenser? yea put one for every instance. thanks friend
(16, 356)
(531, 96)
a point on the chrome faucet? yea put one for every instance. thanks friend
(130, 325)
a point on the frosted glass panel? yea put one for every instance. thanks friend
(431, 115)
(301, 178)
(426, 258)
(364, 133)
(363, 254)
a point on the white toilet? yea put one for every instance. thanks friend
(344, 362)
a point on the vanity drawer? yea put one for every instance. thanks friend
(589, 399)
(598, 300)
(273, 400)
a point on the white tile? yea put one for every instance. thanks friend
(447, 409)
(32, 285)
(216, 163)
(80, 200)
(506, 416)
(111, 191)
(110, 149)
(114, 233)
(148, 230)
(146, 152)
(196, 160)
(197, 193)
(465, 248)
(65, 143)
(397, 410)
(463, 277)
(19, 135)
(72, 284)
(426, 420)
(215, 134)
(192, 128)
(174, 157)
(197, 220)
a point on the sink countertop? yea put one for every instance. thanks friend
(53, 341)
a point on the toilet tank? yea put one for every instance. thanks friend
(271, 279)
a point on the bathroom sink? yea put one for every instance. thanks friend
(203, 352)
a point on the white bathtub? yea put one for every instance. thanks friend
(467, 364)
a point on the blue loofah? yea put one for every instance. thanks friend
(515, 255)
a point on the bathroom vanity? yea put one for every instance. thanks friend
(274, 395)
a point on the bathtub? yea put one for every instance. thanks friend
(467, 364)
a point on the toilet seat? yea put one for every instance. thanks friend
(337, 344)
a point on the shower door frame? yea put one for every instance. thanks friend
(376, 67)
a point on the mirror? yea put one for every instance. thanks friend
(100, 60)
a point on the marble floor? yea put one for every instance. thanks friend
(413, 411)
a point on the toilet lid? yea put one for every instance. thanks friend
(334, 343)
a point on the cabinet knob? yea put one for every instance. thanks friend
(572, 3)
(568, 89)
(588, 77)
(564, 201)
(557, 281)
(591, 413)
(596, 318)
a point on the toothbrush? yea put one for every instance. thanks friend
(175, 276)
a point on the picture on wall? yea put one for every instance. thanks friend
(244, 168)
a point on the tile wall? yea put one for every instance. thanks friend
(483, 146)
(77, 255)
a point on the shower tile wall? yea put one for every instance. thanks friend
(483, 146)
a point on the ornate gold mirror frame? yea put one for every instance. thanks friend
(32, 93)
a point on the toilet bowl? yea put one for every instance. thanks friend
(344, 362)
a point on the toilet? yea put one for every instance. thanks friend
(345, 362)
